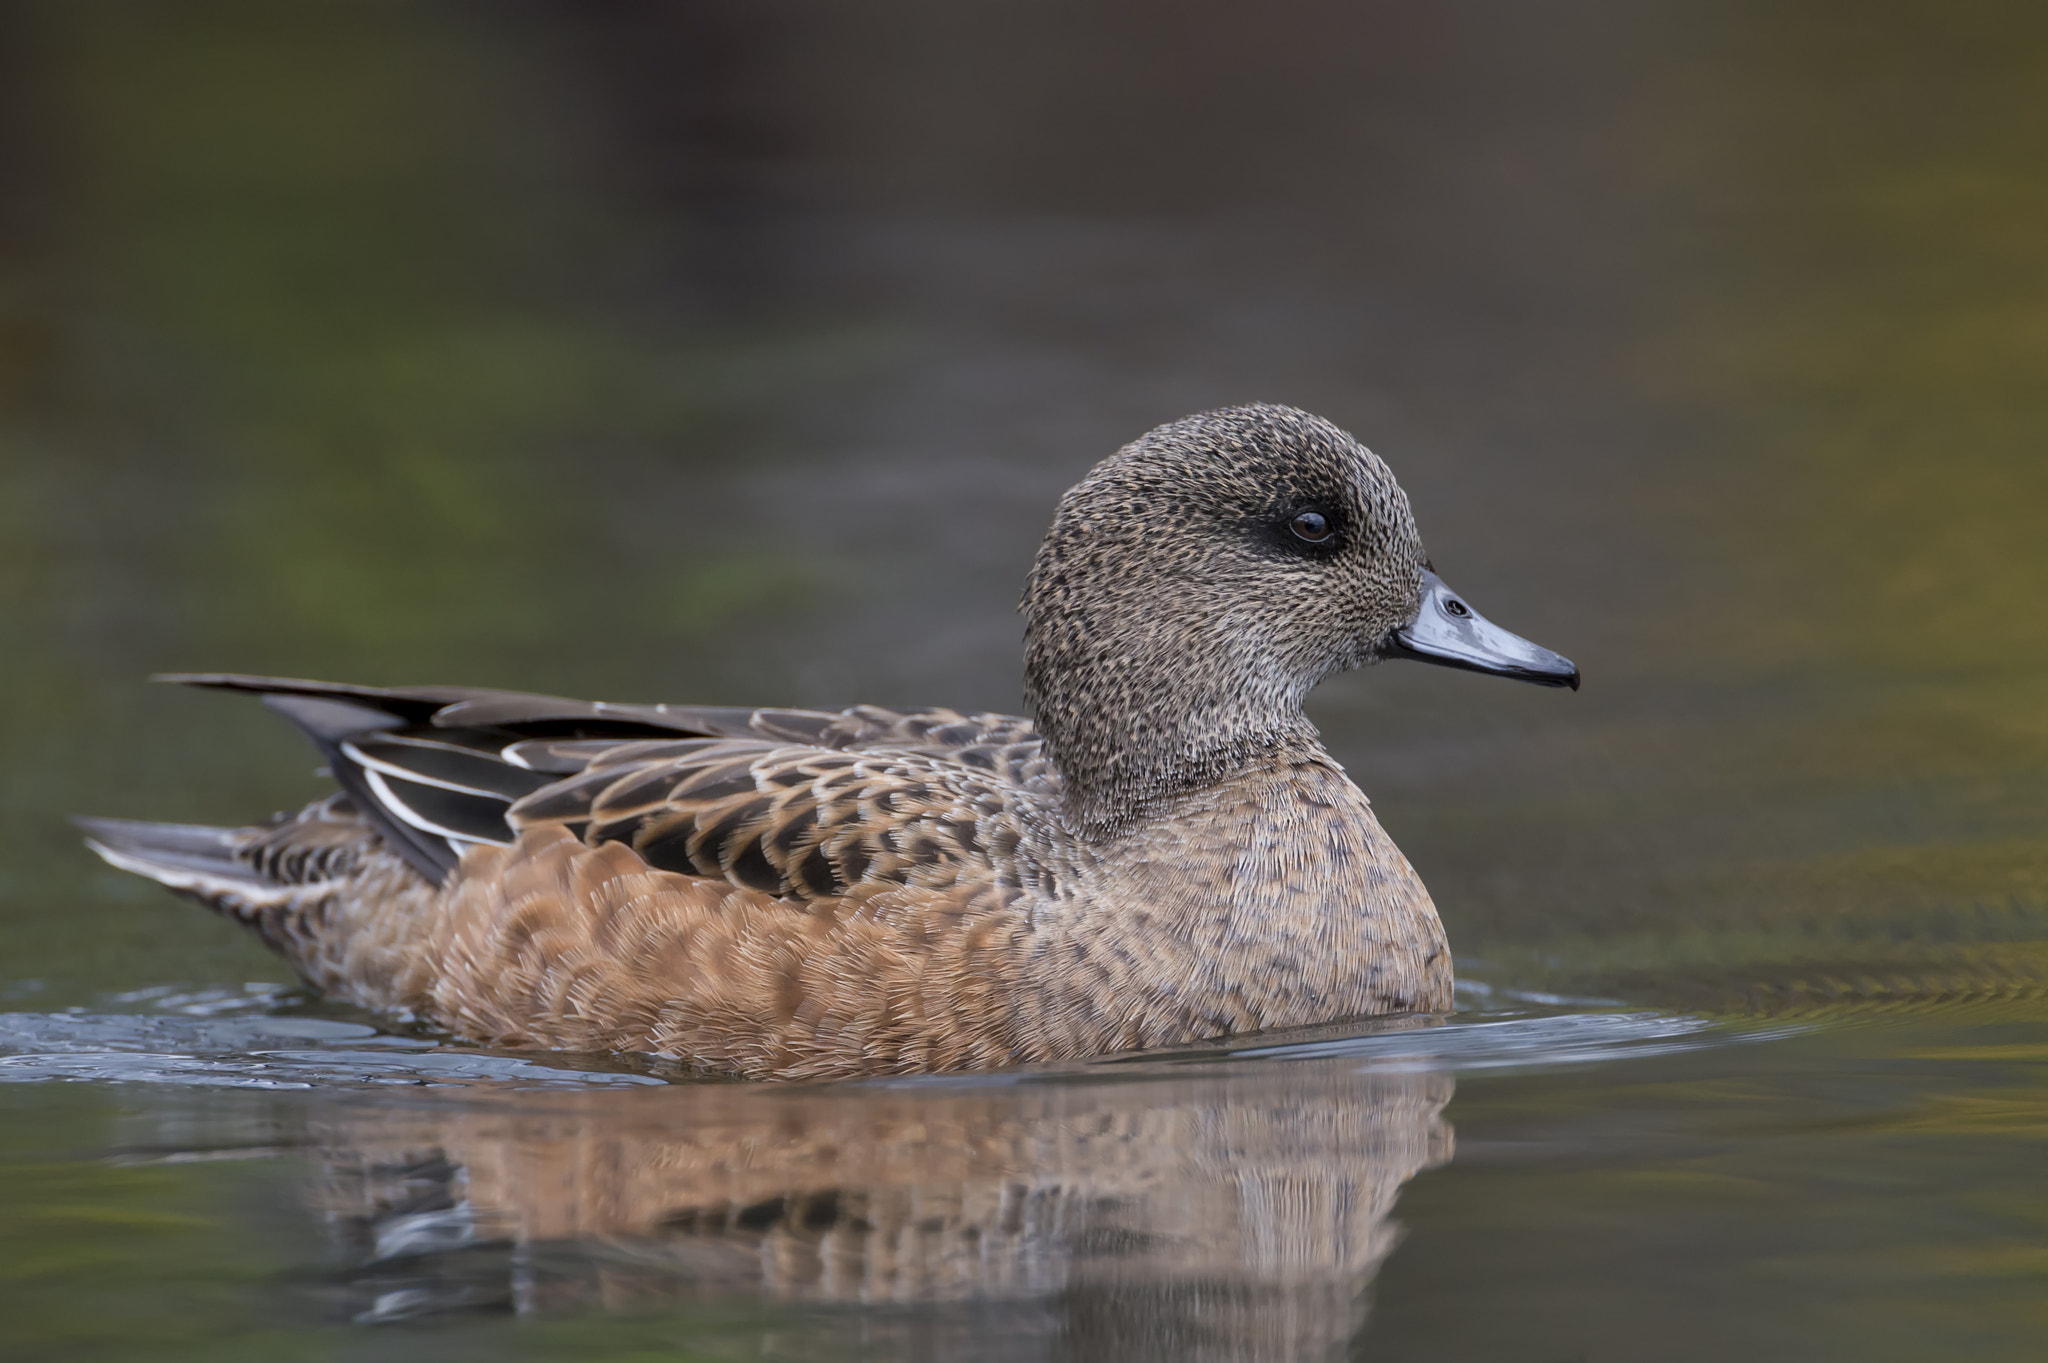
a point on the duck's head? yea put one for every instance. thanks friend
(1197, 583)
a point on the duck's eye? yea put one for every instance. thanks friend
(1311, 527)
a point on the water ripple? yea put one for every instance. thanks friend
(212, 1050)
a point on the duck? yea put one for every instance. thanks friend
(1163, 853)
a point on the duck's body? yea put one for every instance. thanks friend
(795, 894)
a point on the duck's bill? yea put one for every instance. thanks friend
(1450, 633)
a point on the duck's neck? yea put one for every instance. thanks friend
(1176, 706)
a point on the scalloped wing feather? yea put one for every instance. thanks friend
(803, 823)
(441, 769)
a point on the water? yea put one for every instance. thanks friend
(732, 353)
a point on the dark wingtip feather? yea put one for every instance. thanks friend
(249, 681)
(413, 703)
(330, 721)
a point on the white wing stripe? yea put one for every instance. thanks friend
(390, 800)
(379, 764)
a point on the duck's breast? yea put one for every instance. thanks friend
(1273, 900)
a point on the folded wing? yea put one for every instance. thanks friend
(799, 804)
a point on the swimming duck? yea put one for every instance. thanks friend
(1166, 854)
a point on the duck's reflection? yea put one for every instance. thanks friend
(1236, 1216)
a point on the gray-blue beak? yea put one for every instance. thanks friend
(1450, 633)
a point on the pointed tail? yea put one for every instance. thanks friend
(204, 862)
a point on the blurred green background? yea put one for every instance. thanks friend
(732, 352)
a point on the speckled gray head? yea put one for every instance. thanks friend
(1197, 583)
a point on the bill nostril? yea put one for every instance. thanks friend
(1457, 608)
